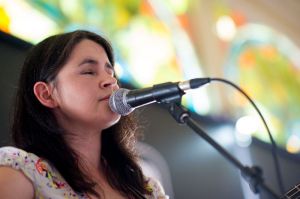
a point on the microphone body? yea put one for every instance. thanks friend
(124, 101)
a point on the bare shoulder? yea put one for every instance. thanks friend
(14, 184)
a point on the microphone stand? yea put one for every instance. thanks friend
(253, 175)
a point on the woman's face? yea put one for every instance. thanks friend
(82, 88)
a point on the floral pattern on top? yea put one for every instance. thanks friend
(47, 181)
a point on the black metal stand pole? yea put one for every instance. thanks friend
(253, 175)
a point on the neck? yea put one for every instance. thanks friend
(88, 146)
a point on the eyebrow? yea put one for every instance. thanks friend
(88, 60)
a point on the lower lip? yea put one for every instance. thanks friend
(105, 99)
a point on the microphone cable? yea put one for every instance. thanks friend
(273, 144)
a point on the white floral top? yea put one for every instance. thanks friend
(47, 181)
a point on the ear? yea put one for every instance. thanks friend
(43, 92)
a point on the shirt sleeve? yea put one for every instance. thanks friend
(156, 189)
(42, 175)
(19, 160)
(47, 181)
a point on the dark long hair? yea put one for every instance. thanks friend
(36, 130)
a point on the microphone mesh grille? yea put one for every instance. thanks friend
(118, 104)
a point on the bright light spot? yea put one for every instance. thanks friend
(293, 144)
(243, 140)
(199, 100)
(247, 125)
(148, 52)
(224, 135)
(179, 6)
(226, 28)
(73, 9)
(69, 6)
(119, 70)
(294, 55)
(27, 23)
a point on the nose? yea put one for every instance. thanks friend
(109, 82)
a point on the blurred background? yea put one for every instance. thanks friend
(254, 44)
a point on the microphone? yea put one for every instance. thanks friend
(124, 101)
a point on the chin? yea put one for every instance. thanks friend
(107, 118)
(117, 119)
(113, 121)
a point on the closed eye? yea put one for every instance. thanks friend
(88, 73)
(88, 65)
(110, 68)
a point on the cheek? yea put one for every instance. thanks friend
(72, 94)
